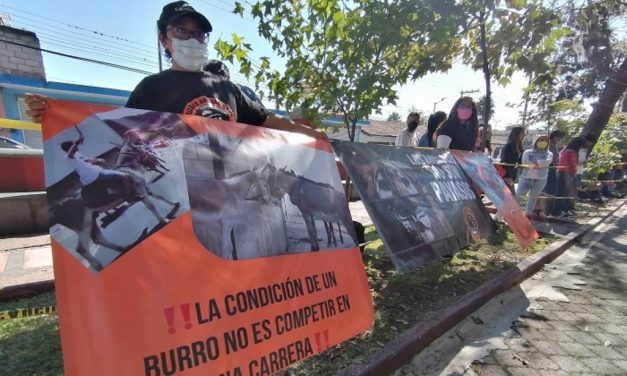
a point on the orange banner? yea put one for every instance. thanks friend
(194, 246)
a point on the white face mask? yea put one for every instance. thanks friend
(190, 54)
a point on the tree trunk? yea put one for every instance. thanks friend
(614, 88)
(487, 76)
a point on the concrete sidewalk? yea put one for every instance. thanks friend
(581, 330)
(28, 259)
(568, 319)
(25, 259)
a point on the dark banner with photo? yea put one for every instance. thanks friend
(194, 246)
(482, 172)
(420, 200)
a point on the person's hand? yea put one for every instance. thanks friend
(311, 132)
(36, 106)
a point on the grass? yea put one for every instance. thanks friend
(404, 299)
(31, 346)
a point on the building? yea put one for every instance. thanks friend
(22, 71)
(377, 132)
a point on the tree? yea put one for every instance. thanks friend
(345, 57)
(589, 63)
(394, 116)
(504, 36)
(481, 108)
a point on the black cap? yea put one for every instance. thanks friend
(179, 9)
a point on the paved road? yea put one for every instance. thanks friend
(586, 335)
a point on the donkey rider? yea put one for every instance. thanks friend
(93, 176)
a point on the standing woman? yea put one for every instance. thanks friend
(511, 155)
(459, 131)
(566, 176)
(427, 139)
(533, 178)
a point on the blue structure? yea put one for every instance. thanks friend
(12, 89)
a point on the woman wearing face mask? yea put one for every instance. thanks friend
(511, 155)
(459, 131)
(533, 177)
(186, 88)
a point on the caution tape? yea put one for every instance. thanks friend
(17, 124)
(550, 197)
(27, 312)
(602, 181)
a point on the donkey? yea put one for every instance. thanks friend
(314, 201)
(221, 200)
(80, 212)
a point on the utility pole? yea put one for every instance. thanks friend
(437, 103)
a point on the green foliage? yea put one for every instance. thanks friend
(503, 37)
(394, 116)
(481, 107)
(345, 58)
(587, 49)
(609, 146)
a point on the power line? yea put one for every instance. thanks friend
(76, 27)
(116, 54)
(80, 36)
(112, 65)
(226, 10)
(98, 53)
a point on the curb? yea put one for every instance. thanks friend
(15, 291)
(409, 343)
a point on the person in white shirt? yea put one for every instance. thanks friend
(534, 175)
(582, 156)
(408, 136)
(90, 171)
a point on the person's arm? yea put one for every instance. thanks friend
(546, 161)
(526, 158)
(37, 106)
(274, 121)
(74, 149)
(443, 141)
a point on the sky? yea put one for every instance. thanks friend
(124, 33)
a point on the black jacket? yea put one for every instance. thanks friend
(509, 154)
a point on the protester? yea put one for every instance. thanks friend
(460, 130)
(535, 173)
(555, 145)
(427, 139)
(185, 88)
(566, 176)
(582, 156)
(408, 136)
(511, 154)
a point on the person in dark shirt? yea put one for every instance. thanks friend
(459, 131)
(555, 145)
(511, 155)
(432, 124)
(217, 67)
(185, 88)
